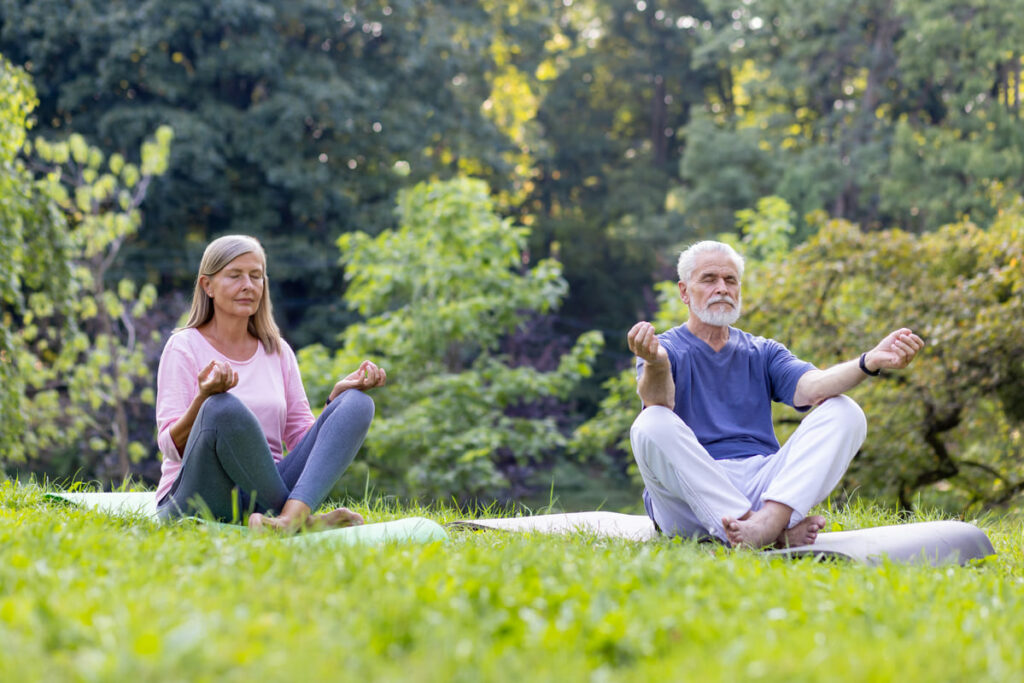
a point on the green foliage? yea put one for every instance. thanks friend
(962, 289)
(87, 596)
(607, 432)
(439, 295)
(295, 120)
(82, 360)
(34, 248)
(768, 229)
(878, 112)
(617, 94)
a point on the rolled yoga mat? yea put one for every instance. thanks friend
(934, 543)
(408, 530)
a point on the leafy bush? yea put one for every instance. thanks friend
(439, 294)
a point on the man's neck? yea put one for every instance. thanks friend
(715, 336)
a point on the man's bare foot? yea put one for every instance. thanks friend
(758, 529)
(340, 517)
(804, 533)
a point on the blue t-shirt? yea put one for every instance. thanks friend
(725, 397)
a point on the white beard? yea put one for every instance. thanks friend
(719, 318)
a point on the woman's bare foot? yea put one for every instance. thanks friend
(293, 517)
(283, 524)
(804, 533)
(339, 517)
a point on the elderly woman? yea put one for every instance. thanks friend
(230, 399)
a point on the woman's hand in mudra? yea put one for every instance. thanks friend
(216, 378)
(366, 377)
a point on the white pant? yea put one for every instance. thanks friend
(690, 491)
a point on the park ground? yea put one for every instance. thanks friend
(85, 596)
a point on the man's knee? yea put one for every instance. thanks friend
(845, 414)
(649, 422)
(654, 434)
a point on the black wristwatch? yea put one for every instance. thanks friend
(864, 367)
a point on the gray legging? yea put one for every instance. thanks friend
(227, 467)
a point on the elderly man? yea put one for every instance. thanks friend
(704, 441)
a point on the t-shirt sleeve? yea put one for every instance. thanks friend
(177, 383)
(784, 371)
(299, 416)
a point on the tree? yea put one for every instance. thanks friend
(79, 358)
(294, 121)
(439, 294)
(34, 253)
(955, 414)
(962, 60)
(617, 91)
(881, 112)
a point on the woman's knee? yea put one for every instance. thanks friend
(220, 404)
(356, 406)
(224, 410)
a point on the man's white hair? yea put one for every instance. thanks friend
(688, 259)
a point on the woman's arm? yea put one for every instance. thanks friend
(215, 378)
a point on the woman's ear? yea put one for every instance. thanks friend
(204, 282)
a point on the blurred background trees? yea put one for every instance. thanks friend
(826, 134)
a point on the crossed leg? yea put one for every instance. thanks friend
(767, 527)
(754, 503)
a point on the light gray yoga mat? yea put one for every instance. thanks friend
(408, 530)
(599, 523)
(934, 543)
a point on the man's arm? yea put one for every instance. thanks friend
(655, 386)
(895, 352)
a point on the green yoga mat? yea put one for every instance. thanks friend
(409, 530)
(116, 503)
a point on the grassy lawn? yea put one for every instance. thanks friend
(84, 596)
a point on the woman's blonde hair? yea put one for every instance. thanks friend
(218, 254)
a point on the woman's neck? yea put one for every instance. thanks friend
(231, 337)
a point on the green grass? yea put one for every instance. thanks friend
(84, 596)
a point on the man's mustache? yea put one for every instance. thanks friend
(723, 300)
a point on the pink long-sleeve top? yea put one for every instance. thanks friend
(268, 384)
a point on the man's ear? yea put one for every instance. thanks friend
(683, 294)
